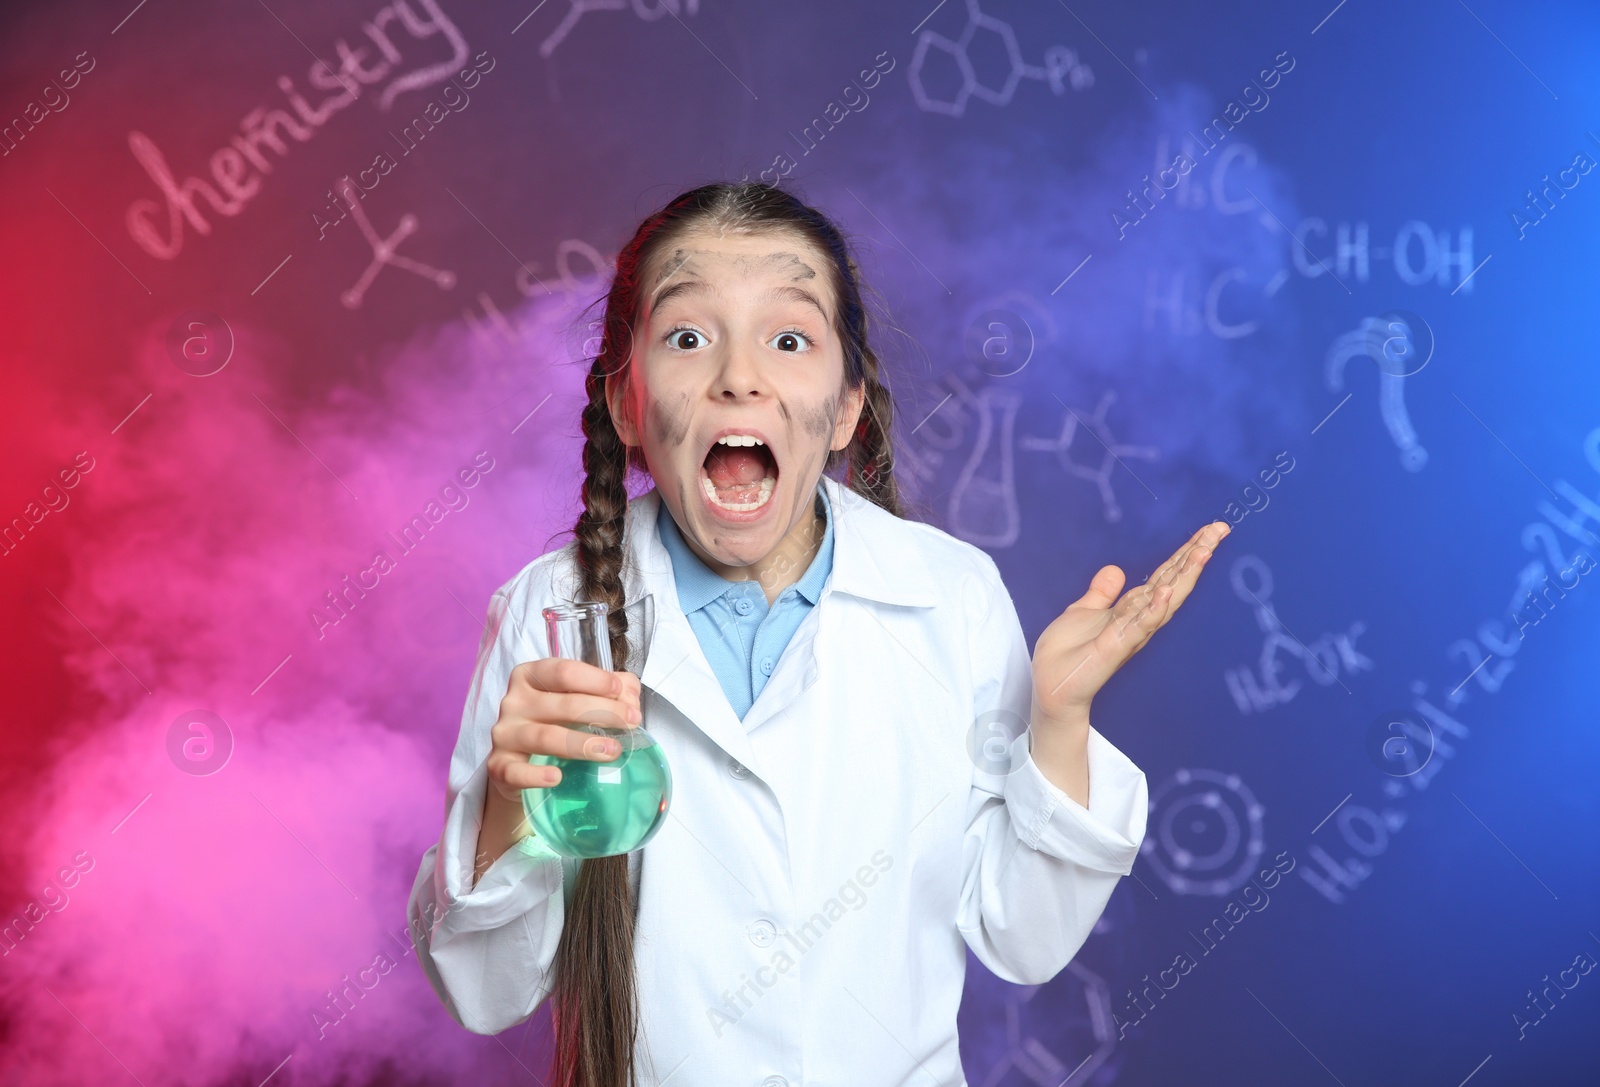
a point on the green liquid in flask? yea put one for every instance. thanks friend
(599, 808)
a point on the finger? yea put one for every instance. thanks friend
(585, 709)
(1132, 631)
(1176, 557)
(1146, 609)
(1188, 573)
(1141, 604)
(1103, 588)
(558, 741)
(526, 775)
(1206, 537)
(568, 709)
(563, 742)
(525, 701)
(559, 674)
(1132, 601)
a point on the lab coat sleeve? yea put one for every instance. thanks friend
(487, 948)
(1038, 867)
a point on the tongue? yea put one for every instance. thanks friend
(734, 466)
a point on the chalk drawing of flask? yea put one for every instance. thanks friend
(983, 502)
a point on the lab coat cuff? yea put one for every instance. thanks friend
(1106, 835)
(518, 880)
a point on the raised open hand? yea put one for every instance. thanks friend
(1099, 631)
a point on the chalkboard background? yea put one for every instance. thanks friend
(1327, 274)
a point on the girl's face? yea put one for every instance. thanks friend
(735, 390)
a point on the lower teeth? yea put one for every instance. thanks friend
(763, 491)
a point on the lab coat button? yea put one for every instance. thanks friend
(763, 933)
(738, 769)
(774, 1081)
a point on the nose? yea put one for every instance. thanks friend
(741, 376)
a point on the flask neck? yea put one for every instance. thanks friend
(580, 632)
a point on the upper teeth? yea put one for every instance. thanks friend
(740, 439)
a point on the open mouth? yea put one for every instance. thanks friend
(739, 473)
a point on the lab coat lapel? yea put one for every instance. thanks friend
(796, 672)
(865, 538)
(675, 667)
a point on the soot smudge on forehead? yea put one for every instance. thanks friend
(745, 263)
(794, 264)
(672, 265)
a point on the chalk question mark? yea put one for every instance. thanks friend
(1401, 343)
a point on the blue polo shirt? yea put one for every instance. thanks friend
(741, 636)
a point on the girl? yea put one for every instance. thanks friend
(870, 774)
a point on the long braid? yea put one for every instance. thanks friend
(594, 996)
(605, 509)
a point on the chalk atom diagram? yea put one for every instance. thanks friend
(987, 36)
(1110, 451)
(1205, 832)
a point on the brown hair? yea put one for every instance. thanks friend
(594, 999)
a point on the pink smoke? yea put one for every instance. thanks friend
(207, 917)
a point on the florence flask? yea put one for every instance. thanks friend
(599, 808)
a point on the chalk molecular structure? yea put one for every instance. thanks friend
(1028, 1054)
(1061, 65)
(1322, 657)
(1111, 452)
(384, 251)
(582, 7)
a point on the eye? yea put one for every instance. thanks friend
(789, 339)
(691, 338)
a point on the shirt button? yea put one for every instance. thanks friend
(742, 606)
(774, 1081)
(762, 932)
(766, 666)
(738, 769)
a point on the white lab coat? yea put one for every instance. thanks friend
(802, 912)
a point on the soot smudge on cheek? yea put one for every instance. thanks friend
(670, 424)
(818, 420)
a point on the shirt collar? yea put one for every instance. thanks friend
(811, 582)
(865, 536)
(698, 585)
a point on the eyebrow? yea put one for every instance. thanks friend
(686, 287)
